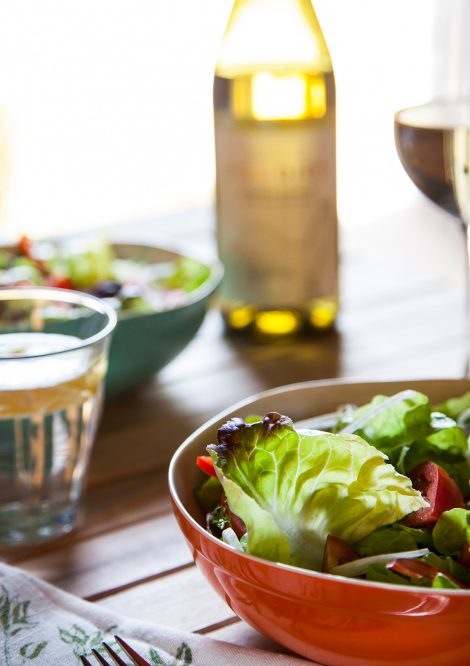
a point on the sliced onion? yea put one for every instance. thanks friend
(359, 567)
(230, 538)
(322, 422)
(361, 421)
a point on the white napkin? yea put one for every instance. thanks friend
(41, 625)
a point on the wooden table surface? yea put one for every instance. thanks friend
(401, 317)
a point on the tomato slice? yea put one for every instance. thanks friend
(416, 570)
(206, 464)
(438, 489)
(25, 249)
(24, 246)
(337, 552)
(59, 282)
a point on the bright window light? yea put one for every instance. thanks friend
(275, 96)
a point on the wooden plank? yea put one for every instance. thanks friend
(106, 508)
(380, 323)
(152, 441)
(166, 412)
(241, 633)
(183, 600)
(117, 559)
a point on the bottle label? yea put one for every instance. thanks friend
(276, 211)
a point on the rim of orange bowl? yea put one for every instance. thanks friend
(279, 565)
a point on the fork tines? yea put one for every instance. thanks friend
(85, 661)
(136, 658)
(140, 661)
(116, 657)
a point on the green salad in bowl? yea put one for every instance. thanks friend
(379, 492)
(160, 296)
(131, 282)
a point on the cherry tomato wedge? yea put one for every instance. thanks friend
(206, 464)
(59, 282)
(416, 570)
(337, 552)
(438, 489)
(24, 246)
(236, 523)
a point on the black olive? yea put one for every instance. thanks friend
(106, 288)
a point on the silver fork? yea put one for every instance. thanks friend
(136, 658)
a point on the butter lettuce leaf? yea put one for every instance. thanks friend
(452, 531)
(292, 488)
(441, 582)
(385, 540)
(208, 495)
(380, 574)
(422, 536)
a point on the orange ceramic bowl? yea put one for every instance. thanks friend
(329, 619)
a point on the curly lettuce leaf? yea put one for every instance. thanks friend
(188, 274)
(86, 266)
(404, 427)
(454, 407)
(446, 435)
(292, 488)
(446, 445)
(389, 423)
(455, 465)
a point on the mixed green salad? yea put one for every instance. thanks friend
(379, 492)
(92, 266)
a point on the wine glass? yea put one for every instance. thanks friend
(433, 143)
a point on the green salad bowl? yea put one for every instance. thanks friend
(144, 342)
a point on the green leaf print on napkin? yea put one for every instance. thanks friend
(14, 619)
(83, 642)
(183, 657)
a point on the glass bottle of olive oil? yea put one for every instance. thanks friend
(274, 107)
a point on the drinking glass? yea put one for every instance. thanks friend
(433, 143)
(53, 358)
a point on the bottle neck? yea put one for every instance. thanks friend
(274, 33)
(273, 3)
(303, 9)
